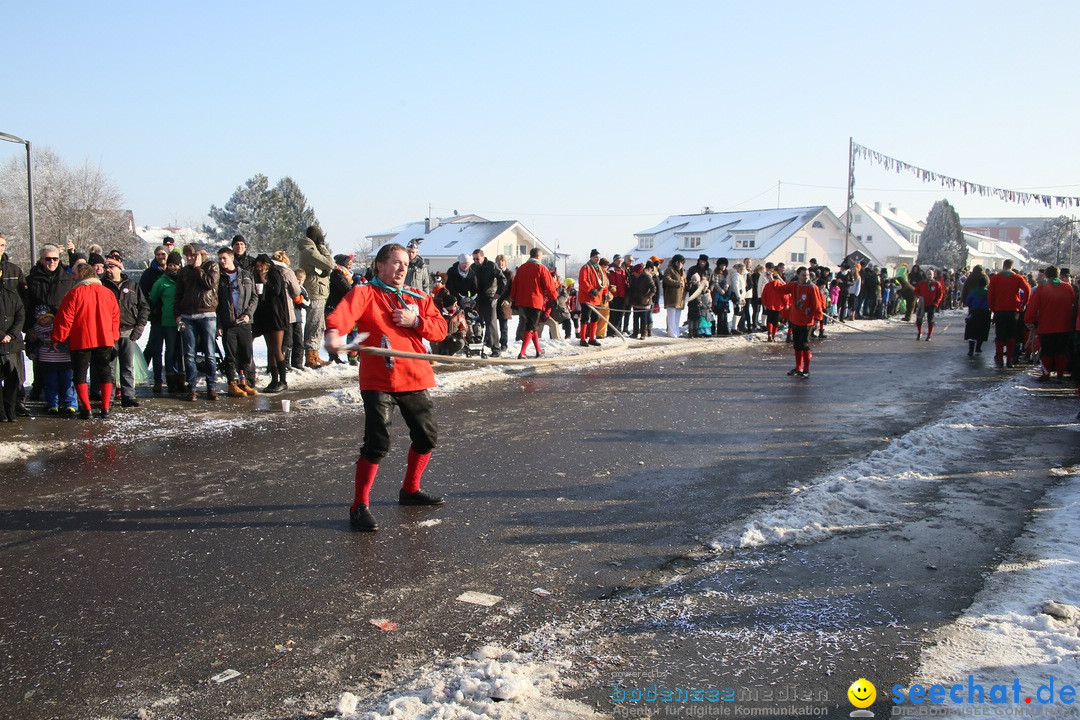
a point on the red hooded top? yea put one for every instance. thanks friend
(89, 317)
(370, 310)
(772, 296)
(807, 303)
(532, 286)
(1051, 308)
(931, 291)
(1008, 291)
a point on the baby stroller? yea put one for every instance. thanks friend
(474, 334)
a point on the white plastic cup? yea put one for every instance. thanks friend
(286, 405)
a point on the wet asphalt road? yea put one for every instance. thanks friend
(133, 572)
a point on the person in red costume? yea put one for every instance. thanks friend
(397, 317)
(806, 308)
(1050, 314)
(89, 322)
(1007, 293)
(774, 301)
(928, 293)
(532, 288)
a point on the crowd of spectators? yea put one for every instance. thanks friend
(86, 314)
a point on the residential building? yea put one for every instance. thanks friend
(442, 240)
(788, 235)
(886, 235)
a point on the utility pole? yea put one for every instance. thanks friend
(850, 193)
(29, 190)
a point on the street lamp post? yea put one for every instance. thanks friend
(29, 190)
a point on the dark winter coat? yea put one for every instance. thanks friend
(146, 284)
(227, 315)
(462, 285)
(12, 318)
(14, 277)
(341, 283)
(641, 291)
(46, 287)
(134, 306)
(487, 280)
(245, 262)
(274, 311)
(197, 289)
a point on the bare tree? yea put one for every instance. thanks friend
(78, 203)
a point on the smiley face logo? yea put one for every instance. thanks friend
(862, 693)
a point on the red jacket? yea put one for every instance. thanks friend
(617, 280)
(370, 309)
(89, 317)
(1008, 291)
(807, 303)
(931, 291)
(591, 277)
(532, 286)
(773, 297)
(1051, 308)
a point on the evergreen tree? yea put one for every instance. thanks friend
(942, 241)
(1053, 242)
(293, 216)
(269, 218)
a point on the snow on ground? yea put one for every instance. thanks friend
(493, 683)
(1024, 623)
(875, 491)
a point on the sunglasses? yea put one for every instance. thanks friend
(51, 259)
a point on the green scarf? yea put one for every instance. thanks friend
(397, 292)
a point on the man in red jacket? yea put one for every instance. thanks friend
(530, 291)
(928, 293)
(1007, 293)
(1050, 314)
(399, 318)
(807, 307)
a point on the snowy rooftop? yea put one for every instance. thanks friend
(773, 225)
(453, 236)
(895, 222)
(154, 235)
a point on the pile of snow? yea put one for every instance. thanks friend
(493, 683)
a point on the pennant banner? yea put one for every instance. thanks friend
(965, 186)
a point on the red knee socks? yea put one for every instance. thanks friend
(82, 390)
(536, 341)
(417, 463)
(365, 478)
(106, 395)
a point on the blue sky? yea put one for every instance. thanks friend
(587, 121)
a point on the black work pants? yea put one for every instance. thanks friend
(417, 412)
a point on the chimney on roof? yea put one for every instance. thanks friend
(877, 207)
(430, 224)
(706, 210)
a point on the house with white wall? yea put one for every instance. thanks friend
(442, 240)
(886, 234)
(789, 235)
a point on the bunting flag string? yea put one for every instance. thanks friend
(965, 186)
